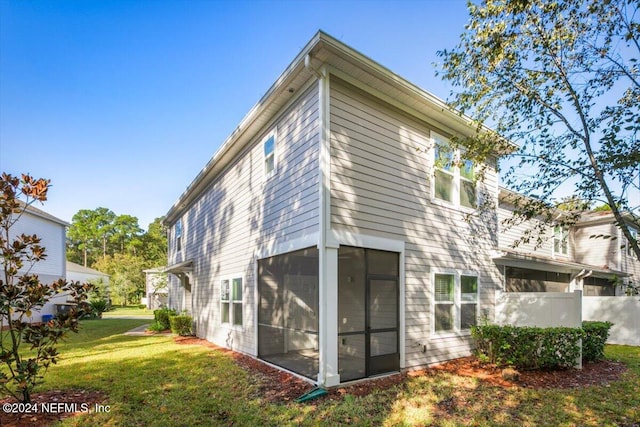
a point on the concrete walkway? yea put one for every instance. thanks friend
(124, 316)
(140, 332)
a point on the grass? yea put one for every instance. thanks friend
(153, 381)
(132, 310)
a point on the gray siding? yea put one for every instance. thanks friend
(610, 252)
(381, 169)
(509, 234)
(597, 251)
(242, 211)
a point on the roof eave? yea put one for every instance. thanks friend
(432, 104)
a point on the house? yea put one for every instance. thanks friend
(577, 273)
(52, 232)
(600, 242)
(327, 235)
(82, 274)
(156, 295)
(591, 256)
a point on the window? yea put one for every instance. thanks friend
(444, 302)
(468, 301)
(634, 234)
(560, 240)
(454, 176)
(455, 302)
(269, 146)
(178, 234)
(231, 301)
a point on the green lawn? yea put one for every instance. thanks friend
(132, 310)
(151, 381)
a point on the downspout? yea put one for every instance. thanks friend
(581, 276)
(310, 67)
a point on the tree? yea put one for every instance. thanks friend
(125, 233)
(100, 232)
(126, 277)
(89, 233)
(21, 292)
(562, 80)
(154, 243)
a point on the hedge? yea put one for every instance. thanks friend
(528, 347)
(181, 325)
(162, 317)
(595, 336)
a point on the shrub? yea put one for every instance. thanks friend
(595, 336)
(162, 317)
(528, 347)
(156, 327)
(98, 306)
(181, 325)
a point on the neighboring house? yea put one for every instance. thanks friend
(52, 232)
(156, 293)
(79, 273)
(600, 242)
(591, 256)
(331, 234)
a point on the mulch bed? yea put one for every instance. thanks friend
(275, 385)
(278, 386)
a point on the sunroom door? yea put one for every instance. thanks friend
(368, 310)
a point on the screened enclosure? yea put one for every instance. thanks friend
(368, 312)
(288, 311)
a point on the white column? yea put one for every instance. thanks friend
(328, 375)
(328, 253)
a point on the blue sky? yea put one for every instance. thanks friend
(121, 103)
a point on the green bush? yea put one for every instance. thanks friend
(595, 336)
(162, 317)
(528, 347)
(156, 327)
(98, 306)
(181, 325)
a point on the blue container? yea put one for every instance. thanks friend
(46, 317)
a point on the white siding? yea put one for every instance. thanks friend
(241, 212)
(381, 171)
(53, 236)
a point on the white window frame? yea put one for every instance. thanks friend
(455, 171)
(457, 301)
(231, 301)
(561, 240)
(178, 232)
(273, 154)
